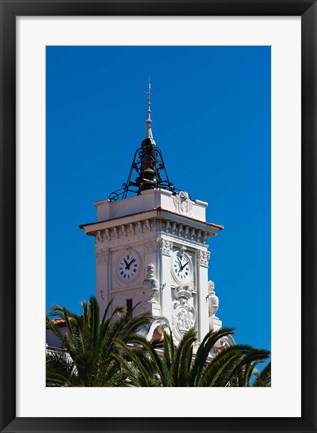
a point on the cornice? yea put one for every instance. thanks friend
(159, 214)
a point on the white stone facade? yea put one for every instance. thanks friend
(152, 249)
(152, 199)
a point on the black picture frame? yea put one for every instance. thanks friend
(10, 9)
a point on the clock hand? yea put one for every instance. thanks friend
(133, 260)
(128, 264)
(184, 266)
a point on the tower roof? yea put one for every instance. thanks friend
(147, 169)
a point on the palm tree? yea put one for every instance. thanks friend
(164, 364)
(264, 377)
(86, 357)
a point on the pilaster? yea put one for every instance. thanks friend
(166, 247)
(203, 257)
(103, 265)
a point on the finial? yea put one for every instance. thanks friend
(148, 122)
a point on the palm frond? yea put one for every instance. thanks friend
(264, 378)
(203, 352)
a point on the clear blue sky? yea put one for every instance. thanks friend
(211, 111)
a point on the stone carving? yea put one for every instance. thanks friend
(168, 226)
(186, 232)
(203, 258)
(183, 317)
(183, 314)
(117, 234)
(182, 203)
(151, 283)
(138, 228)
(213, 305)
(184, 291)
(146, 226)
(99, 236)
(166, 246)
(107, 234)
(174, 228)
(193, 233)
(213, 300)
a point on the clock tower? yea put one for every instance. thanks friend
(151, 247)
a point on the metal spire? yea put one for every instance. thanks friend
(148, 122)
(148, 169)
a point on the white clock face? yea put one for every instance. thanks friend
(182, 267)
(128, 267)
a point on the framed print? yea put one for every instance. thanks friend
(231, 95)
